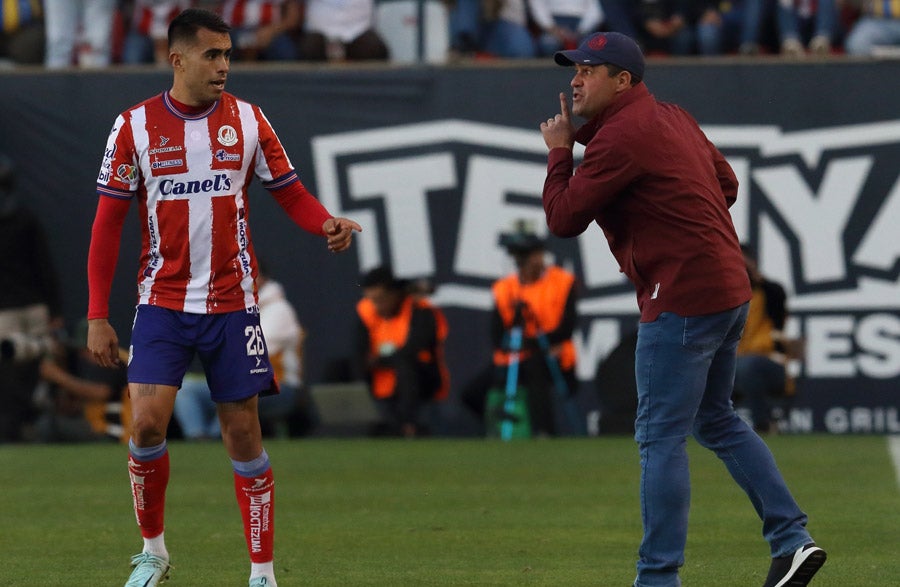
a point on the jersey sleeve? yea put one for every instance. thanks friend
(272, 165)
(119, 172)
(103, 253)
(305, 210)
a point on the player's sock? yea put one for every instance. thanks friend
(157, 546)
(254, 487)
(266, 570)
(148, 468)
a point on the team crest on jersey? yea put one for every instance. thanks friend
(227, 135)
(126, 173)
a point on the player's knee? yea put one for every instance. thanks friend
(148, 430)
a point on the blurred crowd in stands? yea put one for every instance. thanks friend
(97, 33)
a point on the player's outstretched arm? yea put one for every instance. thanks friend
(339, 232)
(103, 254)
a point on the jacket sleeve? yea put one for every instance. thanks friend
(572, 202)
(360, 363)
(422, 333)
(498, 328)
(566, 327)
(776, 303)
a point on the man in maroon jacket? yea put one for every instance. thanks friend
(660, 190)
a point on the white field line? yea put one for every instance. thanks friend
(894, 449)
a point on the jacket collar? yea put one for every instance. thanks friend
(587, 131)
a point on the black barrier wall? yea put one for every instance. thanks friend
(436, 162)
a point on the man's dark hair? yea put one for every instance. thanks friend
(615, 70)
(184, 27)
(382, 276)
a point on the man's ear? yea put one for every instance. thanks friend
(175, 59)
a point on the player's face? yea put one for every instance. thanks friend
(202, 67)
(593, 89)
(386, 301)
(531, 266)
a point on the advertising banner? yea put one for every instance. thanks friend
(436, 163)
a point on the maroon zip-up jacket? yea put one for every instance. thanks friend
(660, 190)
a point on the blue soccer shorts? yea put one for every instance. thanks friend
(230, 346)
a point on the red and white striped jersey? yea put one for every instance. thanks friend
(190, 175)
(251, 13)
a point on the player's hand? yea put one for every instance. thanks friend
(339, 232)
(559, 131)
(103, 343)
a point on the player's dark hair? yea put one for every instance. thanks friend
(382, 276)
(615, 70)
(184, 27)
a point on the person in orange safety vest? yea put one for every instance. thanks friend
(400, 350)
(541, 299)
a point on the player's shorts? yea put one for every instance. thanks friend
(231, 348)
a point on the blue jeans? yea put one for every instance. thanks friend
(868, 33)
(465, 25)
(195, 410)
(758, 378)
(699, 38)
(137, 49)
(685, 375)
(824, 21)
(508, 39)
(548, 44)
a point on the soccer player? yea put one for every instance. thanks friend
(660, 190)
(187, 156)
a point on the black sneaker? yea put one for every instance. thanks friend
(796, 570)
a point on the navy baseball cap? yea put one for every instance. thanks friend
(600, 48)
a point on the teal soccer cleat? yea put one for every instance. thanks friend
(149, 570)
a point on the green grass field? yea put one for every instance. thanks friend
(561, 513)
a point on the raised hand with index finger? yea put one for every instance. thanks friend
(559, 131)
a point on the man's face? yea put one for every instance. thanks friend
(201, 67)
(593, 89)
(530, 266)
(387, 301)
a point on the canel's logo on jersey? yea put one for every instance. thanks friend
(219, 183)
(820, 206)
(227, 135)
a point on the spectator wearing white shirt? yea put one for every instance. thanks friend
(506, 30)
(284, 337)
(79, 32)
(564, 22)
(262, 30)
(147, 40)
(337, 30)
